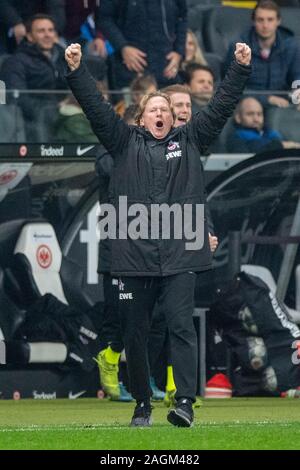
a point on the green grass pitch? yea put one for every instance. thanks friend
(248, 423)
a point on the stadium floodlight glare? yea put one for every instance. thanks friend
(2, 92)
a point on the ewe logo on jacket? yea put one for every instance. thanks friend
(174, 150)
(124, 295)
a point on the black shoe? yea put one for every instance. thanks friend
(182, 415)
(142, 415)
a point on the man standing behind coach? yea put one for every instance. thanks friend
(148, 37)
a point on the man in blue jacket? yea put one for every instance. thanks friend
(251, 134)
(148, 37)
(275, 54)
(158, 165)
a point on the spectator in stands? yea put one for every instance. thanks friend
(38, 64)
(72, 125)
(140, 86)
(193, 52)
(80, 24)
(14, 14)
(148, 37)
(200, 79)
(276, 53)
(251, 135)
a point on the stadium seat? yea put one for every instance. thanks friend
(191, 3)
(41, 130)
(284, 120)
(216, 64)
(10, 316)
(38, 268)
(38, 251)
(265, 275)
(3, 58)
(297, 274)
(21, 351)
(11, 124)
(290, 18)
(223, 25)
(220, 145)
(196, 18)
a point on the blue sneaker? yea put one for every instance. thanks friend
(157, 395)
(124, 396)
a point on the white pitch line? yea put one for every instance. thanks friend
(97, 427)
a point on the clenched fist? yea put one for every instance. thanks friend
(242, 53)
(73, 56)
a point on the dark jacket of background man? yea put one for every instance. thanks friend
(156, 27)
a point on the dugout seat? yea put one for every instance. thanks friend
(11, 124)
(284, 120)
(21, 351)
(38, 268)
(265, 275)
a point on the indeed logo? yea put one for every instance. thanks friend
(43, 395)
(52, 151)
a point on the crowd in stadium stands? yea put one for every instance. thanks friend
(137, 47)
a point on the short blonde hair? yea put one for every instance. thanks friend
(144, 101)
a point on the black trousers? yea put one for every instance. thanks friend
(159, 347)
(111, 334)
(137, 297)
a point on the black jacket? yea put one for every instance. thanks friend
(30, 69)
(157, 27)
(104, 169)
(144, 174)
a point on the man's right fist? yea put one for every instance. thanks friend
(242, 53)
(73, 56)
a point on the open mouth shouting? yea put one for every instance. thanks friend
(181, 120)
(159, 124)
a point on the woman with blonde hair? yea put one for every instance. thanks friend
(193, 52)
